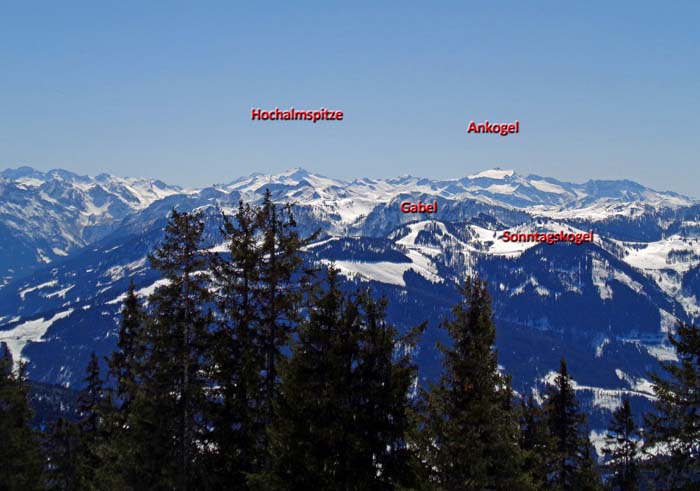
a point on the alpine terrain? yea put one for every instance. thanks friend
(71, 244)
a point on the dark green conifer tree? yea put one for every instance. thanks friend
(381, 388)
(343, 416)
(236, 351)
(471, 435)
(571, 467)
(280, 293)
(74, 448)
(63, 448)
(589, 476)
(21, 466)
(92, 407)
(91, 399)
(673, 430)
(125, 364)
(535, 441)
(166, 424)
(116, 450)
(622, 443)
(308, 435)
(259, 286)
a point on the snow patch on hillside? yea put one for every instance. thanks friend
(388, 272)
(143, 292)
(600, 347)
(410, 240)
(48, 284)
(547, 187)
(382, 271)
(674, 252)
(609, 399)
(118, 272)
(599, 276)
(668, 321)
(60, 293)
(501, 189)
(496, 245)
(493, 174)
(598, 441)
(29, 331)
(662, 352)
(638, 384)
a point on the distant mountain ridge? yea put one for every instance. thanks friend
(71, 244)
(495, 186)
(46, 215)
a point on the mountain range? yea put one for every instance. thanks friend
(70, 244)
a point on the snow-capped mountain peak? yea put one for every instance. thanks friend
(51, 213)
(496, 173)
(607, 304)
(45, 215)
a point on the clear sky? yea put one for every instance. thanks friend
(164, 89)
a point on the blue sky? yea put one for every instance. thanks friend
(164, 89)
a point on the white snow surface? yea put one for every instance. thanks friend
(493, 174)
(609, 399)
(61, 293)
(388, 272)
(657, 255)
(48, 284)
(63, 205)
(547, 187)
(144, 292)
(18, 337)
(350, 202)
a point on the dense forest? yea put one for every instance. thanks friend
(248, 370)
